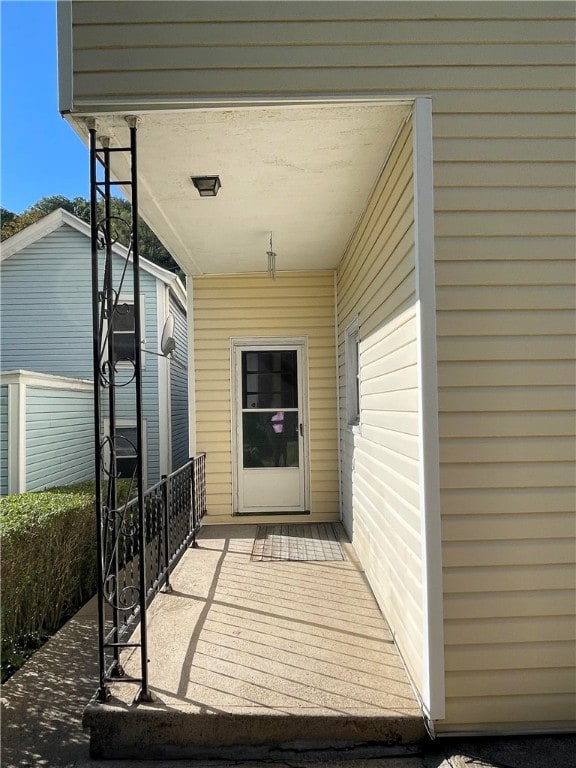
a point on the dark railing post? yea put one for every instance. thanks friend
(144, 694)
(108, 308)
(102, 689)
(193, 500)
(166, 503)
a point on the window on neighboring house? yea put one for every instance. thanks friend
(124, 330)
(126, 455)
(352, 352)
(124, 344)
(126, 445)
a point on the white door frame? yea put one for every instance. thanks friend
(271, 343)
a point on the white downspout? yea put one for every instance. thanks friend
(191, 369)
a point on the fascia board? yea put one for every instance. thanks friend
(65, 56)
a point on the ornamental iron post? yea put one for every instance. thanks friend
(145, 695)
(121, 525)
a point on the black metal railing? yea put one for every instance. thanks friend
(173, 510)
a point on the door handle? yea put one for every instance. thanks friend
(301, 427)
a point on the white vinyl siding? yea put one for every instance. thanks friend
(293, 304)
(59, 437)
(501, 80)
(380, 458)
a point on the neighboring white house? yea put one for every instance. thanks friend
(411, 165)
(46, 371)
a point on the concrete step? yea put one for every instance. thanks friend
(247, 653)
(154, 731)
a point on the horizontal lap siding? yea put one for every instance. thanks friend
(46, 307)
(501, 79)
(3, 440)
(172, 50)
(505, 274)
(380, 460)
(293, 304)
(179, 388)
(59, 437)
(46, 320)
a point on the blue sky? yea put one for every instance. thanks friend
(40, 153)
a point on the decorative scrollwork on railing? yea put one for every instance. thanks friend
(118, 598)
(110, 372)
(106, 238)
(109, 454)
(120, 530)
(111, 309)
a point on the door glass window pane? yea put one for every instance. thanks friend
(270, 439)
(270, 379)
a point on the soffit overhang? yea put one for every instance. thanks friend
(304, 173)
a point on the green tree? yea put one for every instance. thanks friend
(17, 222)
(6, 216)
(149, 246)
(48, 204)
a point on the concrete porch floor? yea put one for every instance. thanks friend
(246, 652)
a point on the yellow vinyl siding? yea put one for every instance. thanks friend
(501, 80)
(466, 54)
(505, 274)
(380, 459)
(293, 304)
(506, 303)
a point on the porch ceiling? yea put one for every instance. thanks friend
(304, 173)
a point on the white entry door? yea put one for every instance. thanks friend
(270, 431)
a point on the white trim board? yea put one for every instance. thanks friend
(16, 437)
(429, 469)
(46, 380)
(191, 370)
(65, 53)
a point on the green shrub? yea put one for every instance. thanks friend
(48, 564)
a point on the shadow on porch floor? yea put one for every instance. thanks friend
(247, 652)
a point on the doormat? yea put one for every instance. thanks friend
(312, 541)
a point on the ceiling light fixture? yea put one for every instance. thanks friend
(207, 186)
(271, 260)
